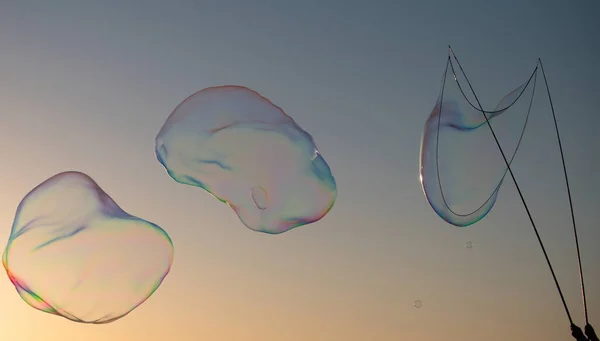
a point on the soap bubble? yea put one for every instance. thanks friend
(418, 304)
(73, 252)
(259, 195)
(469, 245)
(461, 168)
(246, 152)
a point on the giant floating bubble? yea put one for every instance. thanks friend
(246, 152)
(461, 168)
(73, 252)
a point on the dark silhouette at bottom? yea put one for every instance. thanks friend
(589, 332)
(578, 333)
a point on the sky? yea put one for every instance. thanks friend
(86, 86)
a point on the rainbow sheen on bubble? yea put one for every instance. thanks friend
(461, 168)
(73, 252)
(244, 150)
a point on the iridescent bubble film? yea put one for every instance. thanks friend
(461, 167)
(246, 152)
(73, 252)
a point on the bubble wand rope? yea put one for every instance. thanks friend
(562, 156)
(441, 99)
(517, 186)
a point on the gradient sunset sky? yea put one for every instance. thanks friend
(86, 86)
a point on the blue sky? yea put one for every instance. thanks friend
(86, 86)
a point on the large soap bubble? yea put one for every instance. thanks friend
(461, 169)
(75, 253)
(248, 153)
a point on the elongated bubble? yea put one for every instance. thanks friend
(461, 168)
(246, 152)
(73, 252)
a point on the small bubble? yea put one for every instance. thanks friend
(418, 304)
(260, 197)
(469, 245)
